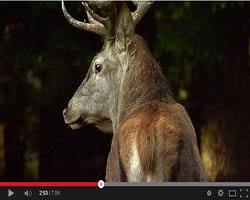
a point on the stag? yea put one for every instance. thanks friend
(125, 93)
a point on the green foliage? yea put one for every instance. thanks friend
(190, 34)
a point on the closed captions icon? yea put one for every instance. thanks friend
(232, 193)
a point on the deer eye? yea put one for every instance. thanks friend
(98, 68)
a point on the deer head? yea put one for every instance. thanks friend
(97, 100)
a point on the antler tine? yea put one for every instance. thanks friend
(97, 28)
(93, 14)
(91, 19)
(109, 21)
(142, 9)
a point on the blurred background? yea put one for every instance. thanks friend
(203, 48)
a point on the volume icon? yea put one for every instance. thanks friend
(28, 193)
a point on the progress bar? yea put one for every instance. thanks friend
(102, 184)
(48, 184)
(177, 184)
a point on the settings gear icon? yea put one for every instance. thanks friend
(220, 193)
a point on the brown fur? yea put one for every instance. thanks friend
(146, 146)
(165, 142)
(164, 134)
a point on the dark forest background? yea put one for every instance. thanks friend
(203, 48)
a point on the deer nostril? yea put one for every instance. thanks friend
(65, 110)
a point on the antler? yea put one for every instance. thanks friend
(142, 9)
(109, 21)
(104, 27)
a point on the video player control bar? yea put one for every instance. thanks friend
(101, 190)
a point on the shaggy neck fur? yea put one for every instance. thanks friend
(143, 81)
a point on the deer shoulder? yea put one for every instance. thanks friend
(151, 140)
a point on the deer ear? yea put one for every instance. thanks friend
(125, 28)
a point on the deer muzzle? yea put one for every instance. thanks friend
(74, 122)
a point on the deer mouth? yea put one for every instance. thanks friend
(79, 123)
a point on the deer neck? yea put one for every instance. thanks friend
(142, 81)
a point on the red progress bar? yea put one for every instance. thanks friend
(49, 184)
